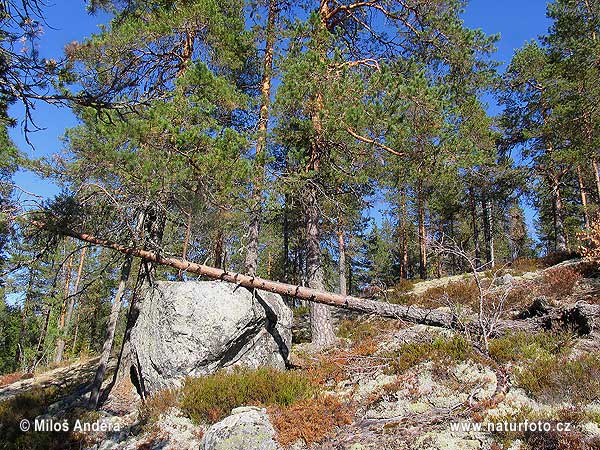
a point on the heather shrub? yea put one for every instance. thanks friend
(10, 378)
(464, 293)
(29, 405)
(559, 281)
(558, 379)
(524, 265)
(439, 350)
(524, 347)
(159, 403)
(311, 420)
(360, 329)
(211, 398)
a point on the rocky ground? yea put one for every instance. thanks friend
(396, 386)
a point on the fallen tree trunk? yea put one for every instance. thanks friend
(586, 315)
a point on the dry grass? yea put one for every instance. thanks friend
(311, 420)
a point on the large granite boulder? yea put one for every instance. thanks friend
(198, 327)
(247, 428)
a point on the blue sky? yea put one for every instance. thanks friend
(516, 20)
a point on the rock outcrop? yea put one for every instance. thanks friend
(246, 428)
(196, 328)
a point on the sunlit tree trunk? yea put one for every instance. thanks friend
(20, 354)
(261, 143)
(110, 333)
(560, 239)
(488, 229)
(402, 237)
(597, 177)
(421, 205)
(60, 343)
(475, 226)
(583, 195)
(321, 323)
(186, 242)
(342, 262)
(219, 248)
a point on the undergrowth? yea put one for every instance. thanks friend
(556, 379)
(30, 405)
(440, 351)
(211, 398)
(311, 420)
(526, 347)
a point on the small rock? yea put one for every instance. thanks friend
(505, 280)
(246, 428)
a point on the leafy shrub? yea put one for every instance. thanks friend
(401, 298)
(311, 420)
(301, 311)
(404, 285)
(524, 347)
(211, 398)
(521, 296)
(556, 379)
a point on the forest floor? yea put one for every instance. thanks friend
(390, 384)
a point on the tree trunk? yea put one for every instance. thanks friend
(452, 256)
(110, 333)
(475, 227)
(60, 343)
(76, 332)
(559, 227)
(20, 354)
(434, 317)
(261, 143)
(402, 237)
(597, 176)
(321, 323)
(488, 230)
(219, 249)
(286, 240)
(72, 297)
(422, 232)
(583, 194)
(39, 352)
(342, 263)
(186, 241)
